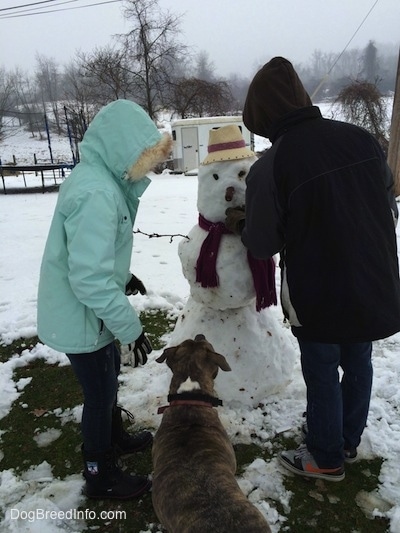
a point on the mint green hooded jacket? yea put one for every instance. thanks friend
(82, 305)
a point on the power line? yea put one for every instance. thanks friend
(342, 52)
(31, 11)
(27, 5)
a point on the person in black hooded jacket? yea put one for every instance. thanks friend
(322, 196)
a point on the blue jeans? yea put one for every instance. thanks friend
(337, 410)
(97, 373)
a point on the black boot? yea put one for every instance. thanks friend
(105, 480)
(123, 442)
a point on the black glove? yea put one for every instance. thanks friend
(136, 353)
(134, 286)
(235, 219)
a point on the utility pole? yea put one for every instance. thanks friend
(394, 142)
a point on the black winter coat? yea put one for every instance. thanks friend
(322, 196)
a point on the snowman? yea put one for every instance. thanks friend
(232, 294)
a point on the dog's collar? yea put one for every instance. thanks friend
(190, 398)
(195, 396)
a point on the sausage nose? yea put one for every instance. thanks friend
(199, 337)
(230, 191)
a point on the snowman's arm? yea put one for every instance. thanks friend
(263, 233)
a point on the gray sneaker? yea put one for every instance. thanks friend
(301, 462)
(350, 455)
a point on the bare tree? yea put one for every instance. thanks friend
(388, 60)
(204, 67)
(333, 73)
(26, 102)
(197, 98)
(238, 87)
(153, 48)
(370, 63)
(48, 82)
(78, 96)
(105, 71)
(80, 107)
(7, 100)
(362, 104)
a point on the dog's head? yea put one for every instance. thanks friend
(194, 365)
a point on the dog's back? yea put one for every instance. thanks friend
(194, 464)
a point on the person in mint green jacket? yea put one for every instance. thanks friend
(83, 306)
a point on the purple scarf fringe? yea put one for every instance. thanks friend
(263, 271)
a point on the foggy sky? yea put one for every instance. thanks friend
(237, 35)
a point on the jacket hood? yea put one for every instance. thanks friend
(275, 91)
(123, 138)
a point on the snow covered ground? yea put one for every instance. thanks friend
(167, 207)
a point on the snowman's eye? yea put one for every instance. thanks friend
(216, 177)
(242, 173)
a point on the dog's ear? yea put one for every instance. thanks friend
(220, 360)
(166, 353)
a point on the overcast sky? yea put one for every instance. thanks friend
(238, 35)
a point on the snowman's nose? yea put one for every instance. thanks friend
(230, 191)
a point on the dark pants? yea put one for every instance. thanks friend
(337, 410)
(97, 373)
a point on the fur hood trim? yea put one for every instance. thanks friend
(150, 158)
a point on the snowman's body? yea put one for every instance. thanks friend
(235, 287)
(256, 344)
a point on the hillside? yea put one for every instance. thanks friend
(21, 144)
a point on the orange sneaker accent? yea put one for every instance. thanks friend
(309, 467)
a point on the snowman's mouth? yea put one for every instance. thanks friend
(229, 193)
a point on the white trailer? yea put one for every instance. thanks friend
(190, 139)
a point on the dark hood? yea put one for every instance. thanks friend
(275, 91)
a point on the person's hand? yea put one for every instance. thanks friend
(235, 219)
(136, 353)
(134, 286)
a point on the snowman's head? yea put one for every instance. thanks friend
(222, 175)
(222, 185)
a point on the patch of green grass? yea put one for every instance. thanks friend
(332, 507)
(17, 347)
(245, 455)
(317, 505)
(157, 323)
(53, 388)
(314, 506)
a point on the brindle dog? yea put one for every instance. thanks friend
(194, 485)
